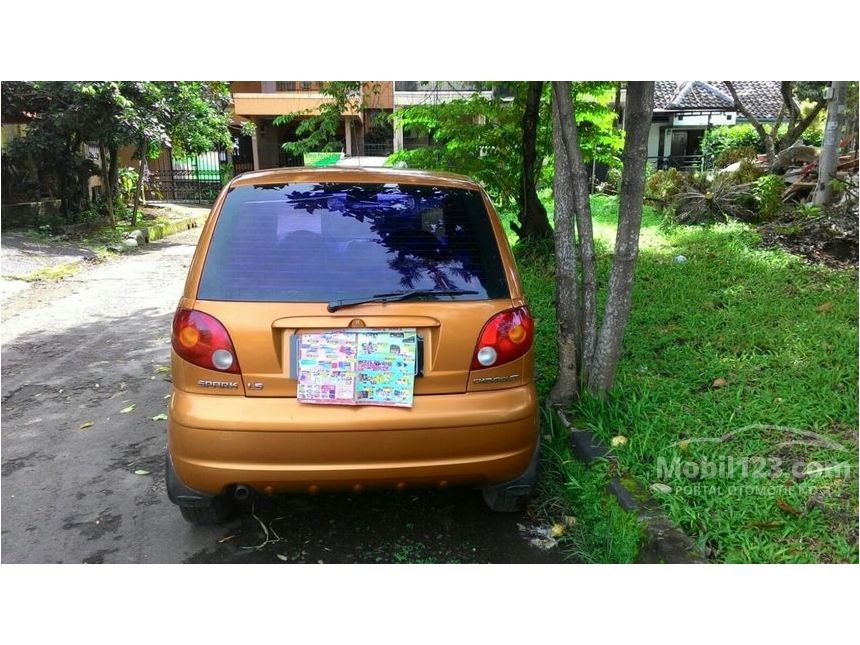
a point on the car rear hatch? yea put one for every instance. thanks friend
(282, 257)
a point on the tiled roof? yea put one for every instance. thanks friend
(762, 98)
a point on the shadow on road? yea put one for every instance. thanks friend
(83, 476)
(421, 526)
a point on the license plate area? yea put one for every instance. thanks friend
(368, 366)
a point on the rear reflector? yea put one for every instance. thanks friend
(202, 340)
(506, 336)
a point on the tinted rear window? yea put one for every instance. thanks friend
(323, 241)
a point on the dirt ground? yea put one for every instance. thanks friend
(830, 238)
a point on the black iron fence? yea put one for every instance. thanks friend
(193, 185)
(286, 160)
(378, 149)
(684, 163)
(192, 179)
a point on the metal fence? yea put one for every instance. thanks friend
(286, 160)
(684, 163)
(193, 185)
(378, 149)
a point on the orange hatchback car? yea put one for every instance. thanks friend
(349, 329)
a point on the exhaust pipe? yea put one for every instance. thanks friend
(241, 493)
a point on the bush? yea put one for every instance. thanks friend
(664, 185)
(768, 195)
(732, 155)
(730, 137)
(612, 185)
(722, 139)
(748, 171)
(127, 184)
(710, 200)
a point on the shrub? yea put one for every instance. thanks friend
(612, 185)
(127, 183)
(721, 139)
(807, 210)
(730, 137)
(768, 191)
(748, 172)
(711, 200)
(732, 155)
(664, 185)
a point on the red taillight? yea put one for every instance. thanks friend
(200, 339)
(506, 336)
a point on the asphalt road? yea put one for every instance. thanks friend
(82, 481)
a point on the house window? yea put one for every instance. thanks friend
(285, 86)
(91, 151)
(306, 85)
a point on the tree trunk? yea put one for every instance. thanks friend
(829, 158)
(640, 103)
(561, 96)
(533, 222)
(113, 174)
(569, 332)
(139, 187)
(105, 171)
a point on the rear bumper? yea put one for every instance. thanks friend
(278, 444)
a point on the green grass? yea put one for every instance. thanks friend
(603, 531)
(56, 272)
(784, 337)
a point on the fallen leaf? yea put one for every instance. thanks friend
(824, 307)
(280, 556)
(684, 445)
(226, 538)
(618, 441)
(162, 369)
(719, 382)
(128, 409)
(556, 531)
(788, 508)
(160, 417)
(664, 489)
(87, 424)
(569, 521)
(141, 472)
(166, 396)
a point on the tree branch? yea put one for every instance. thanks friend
(766, 139)
(793, 134)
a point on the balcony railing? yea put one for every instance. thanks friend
(298, 86)
(440, 86)
(684, 163)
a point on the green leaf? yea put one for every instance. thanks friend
(160, 417)
(128, 409)
(141, 472)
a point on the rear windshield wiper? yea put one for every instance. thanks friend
(394, 296)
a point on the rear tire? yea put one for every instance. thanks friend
(196, 507)
(500, 501)
(512, 496)
(216, 512)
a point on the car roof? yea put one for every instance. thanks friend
(354, 175)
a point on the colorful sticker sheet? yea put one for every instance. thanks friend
(367, 367)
